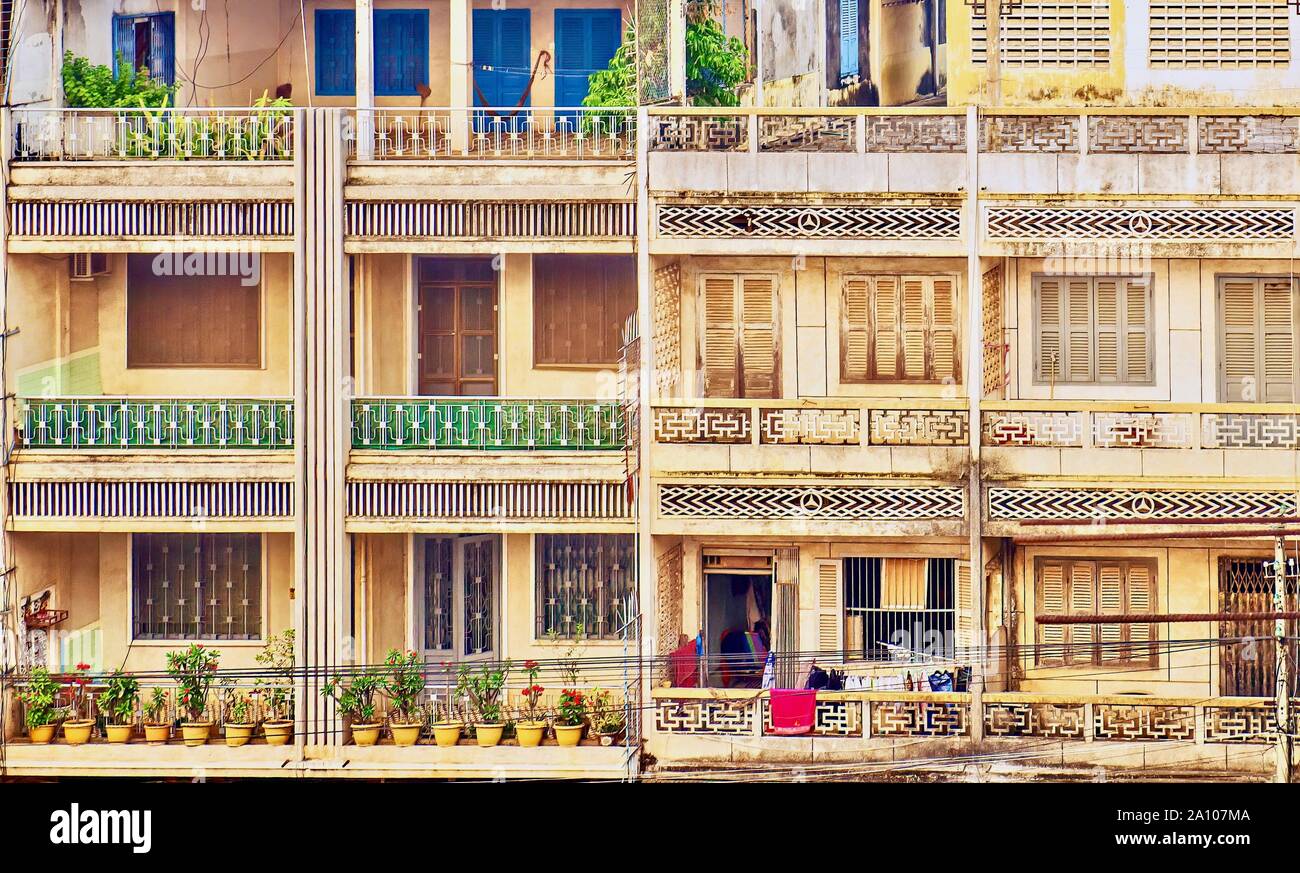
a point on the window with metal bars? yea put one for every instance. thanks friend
(196, 586)
(1219, 34)
(586, 585)
(900, 609)
(1046, 33)
(1078, 586)
(1247, 653)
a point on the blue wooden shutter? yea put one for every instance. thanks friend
(585, 40)
(162, 47)
(336, 52)
(123, 42)
(848, 38)
(401, 50)
(502, 42)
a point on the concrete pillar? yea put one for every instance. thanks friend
(365, 63)
(676, 50)
(462, 73)
(974, 376)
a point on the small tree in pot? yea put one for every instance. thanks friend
(77, 728)
(532, 726)
(356, 702)
(38, 698)
(484, 690)
(404, 685)
(117, 702)
(193, 670)
(238, 717)
(571, 717)
(157, 729)
(277, 693)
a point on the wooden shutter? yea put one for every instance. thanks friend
(965, 608)
(1258, 339)
(336, 55)
(162, 47)
(124, 43)
(1137, 331)
(943, 329)
(785, 611)
(913, 321)
(1278, 344)
(401, 50)
(1240, 342)
(885, 306)
(830, 607)
(1083, 587)
(758, 353)
(1110, 588)
(1053, 591)
(1142, 598)
(848, 38)
(721, 334)
(1078, 365)
(1109, 364)
(855, 329)
(1051, 328)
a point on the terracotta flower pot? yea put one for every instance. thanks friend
(278, 733)
(447, 733)
(41, 735)
(120, 733)
(530, 733)
(488, 735)
(157, 733)
(569, 734)
(196, 733)
(77, 732)
(405, 734)
(365, 734)
(238, 734)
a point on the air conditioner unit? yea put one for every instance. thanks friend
(87, 266)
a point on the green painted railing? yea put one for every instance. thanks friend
(460, 423)
(149, 423)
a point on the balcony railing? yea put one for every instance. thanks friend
(145, 424)
(543, 132)
(1078, 424)
(796, 422)
(467, 424)
(152, 134)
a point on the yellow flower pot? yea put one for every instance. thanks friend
(405, 734)
(120, 733)
(157, 733)
(77, 732)
(41, 735)
(278, 733)
(488, 735)
(238, 734)
(446, 733)
(196, 733)
(530, 733)
(569, 734)
(365, 734)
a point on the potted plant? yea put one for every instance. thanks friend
(156, 727)
(117, 702)
(238, 717)
(607, 717)
(77, 728)
(356, 702)
(484, 692)
(38, 703)
(571, 717)
(404, 685)
(277, 694)
(531, 728)
(193, 671)
(446, 727)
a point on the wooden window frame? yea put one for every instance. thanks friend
(1221, 331)
(1095, 654)
(539, 324)
(1040, 374)
(871, 329)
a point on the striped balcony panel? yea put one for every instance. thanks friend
(171, 499)
(489, 501)
(488, 425)
(155, 424)
(151, 219)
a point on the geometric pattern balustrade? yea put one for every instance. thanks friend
(150, 424)
(490, 424)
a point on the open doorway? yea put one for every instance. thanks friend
(737, 619)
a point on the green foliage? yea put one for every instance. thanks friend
(154, 709)
(405, 684)
(193, 670)
(87, 85)
(357, 699)
(119, 697)
(616, 84)
(38, 698)
(278, 658)
(572, 710)
(263, 134)
(715, 64)
(238, 707)
(483, 689)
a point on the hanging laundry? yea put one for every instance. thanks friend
(793, 711)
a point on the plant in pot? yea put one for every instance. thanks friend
(156, 727)
(356, 703)
(607, 716)
(447, 724)
(484, 690)
(570, 717)
(193, 670)
(38, 704)
(238, 718)
(117, 702)
(531, 727)
(277, 692)
(404, 685)
(77, 727)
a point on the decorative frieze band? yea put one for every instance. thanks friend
(151, 219)
(1088, 505)
(812, 502)
(486, 219)
(477, 500)
(1154, 224)
(674, 220)
(810, 426)
(169, 499)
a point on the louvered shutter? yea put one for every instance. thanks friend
(123, 43)
(855, 329)
(1053, 590)
(1137, 331)
(830, 607)
(336, 61)
(162, 47)
(1278, 346)
(1240, 317)
(943, 329)
(1141, 599)
(1110, 587)
(965, 609)
(914, 324)
(720, 336)
(1078, 365)
(785, 615)
(1051, 327)
(1083, 586)
(848, 38)
(1109, 365)
(885, 306)
(758, 359)
(401, 51)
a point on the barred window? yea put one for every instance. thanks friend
(1220, 33)
(586, 584)
(1072, 586)
(205, 586)
(900, 608)
(1046, 33)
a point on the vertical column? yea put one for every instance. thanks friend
(677, 49)
(1281, 648)
(321, 321)
(647, 567)
(974, 390)
(365, 78)
(462, 73)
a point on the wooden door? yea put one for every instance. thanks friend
(458, 339)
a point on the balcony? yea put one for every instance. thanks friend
(470, 425)
(131, 424)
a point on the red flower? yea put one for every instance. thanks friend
(83, 666)
(530, 665)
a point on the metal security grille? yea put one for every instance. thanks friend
(586, 585)
(1042, 33)
(900, 609)
(196, 586)
(438, 585)
(1219, 33)
(1246, 654)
